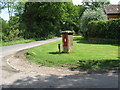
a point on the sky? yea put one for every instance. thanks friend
(5, 15)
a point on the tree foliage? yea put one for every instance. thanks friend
(49, 19)
(12, 32)
(9, 6)
(91, 15)
(109, 29)
(40, 19)
(19, 8)
(2, 5)
(93, 4)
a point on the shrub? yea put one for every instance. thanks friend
(11, 32)
(91, 15)
(12, 35)
(109, 29)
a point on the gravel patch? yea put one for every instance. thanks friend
(18, 62)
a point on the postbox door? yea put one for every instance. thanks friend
(65, 40)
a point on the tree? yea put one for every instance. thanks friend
(4, 29)
(46, 19)
(19, 8)
(9, 6)
(72, 20)
(2, 5)
(93, 4)
(91, 15)
(13, 32)
(15, 29)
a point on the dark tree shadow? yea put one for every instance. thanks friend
(68, 81)
(80, 40)
(97, 66)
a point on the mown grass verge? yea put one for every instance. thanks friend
(16, 42)
(84, 56)
(22, 41)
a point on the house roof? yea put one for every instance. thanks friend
(112, 9)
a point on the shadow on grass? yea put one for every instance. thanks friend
(57, 53)
(97, 66)
(96, 41)
(80, 40)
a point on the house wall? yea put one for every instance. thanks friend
(113, 16)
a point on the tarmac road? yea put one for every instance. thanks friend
(7, 50)
(23, 79)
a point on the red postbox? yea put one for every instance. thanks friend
(67, 40)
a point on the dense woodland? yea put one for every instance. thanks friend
(45, 20)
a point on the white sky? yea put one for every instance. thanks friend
(5, 16)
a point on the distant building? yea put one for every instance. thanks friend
(112, 11)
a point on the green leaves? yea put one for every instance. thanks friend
(19, 8)
(91, 15)
(44, 18)
(104, 29)
(93, 4)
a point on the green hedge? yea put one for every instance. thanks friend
(104, 29)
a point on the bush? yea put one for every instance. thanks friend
(12, 35)
(109, 29)
(11, 31)
(91, 15)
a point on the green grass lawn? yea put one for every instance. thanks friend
(16, 42)
(48, 54)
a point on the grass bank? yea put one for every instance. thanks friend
(83, 51)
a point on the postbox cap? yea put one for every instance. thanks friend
(67, 32)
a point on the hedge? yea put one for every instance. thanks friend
(109, 29)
